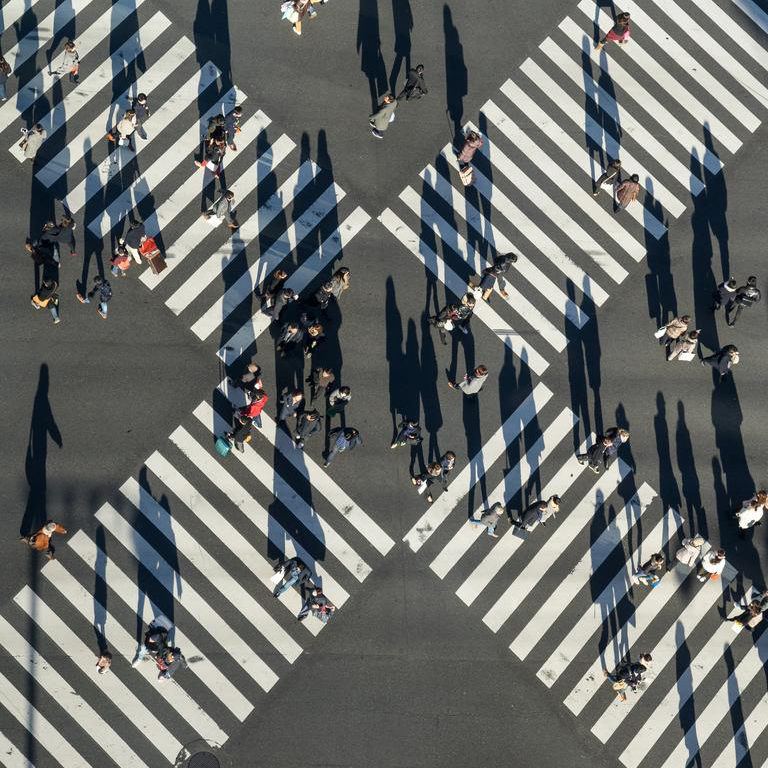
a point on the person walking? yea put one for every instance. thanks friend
(538, 512)
(155, 639)
(125, 130)
(134, 238)
(725, 292)
(232, 126)
(625, 192)
(169, 661)
(104, 662)
(746, 619)
(283, 298)
(47, 298)
(446, 465)
(472, 383)
(490, 519)
(751, 512)
(712, 565)
(649, 574)
(339, 282)
(674, 329)
(612, 172)
(629, 675)
(318, 605)
(293, 572)
(617, 437)
(684, 345)
(490, 275)
(409, 433)
(259, 399)
(383, 116)
(141, 113)
(453, 316)
(690, 550)
(271, 288)
(620, 33)
(70, 63)
(426, 479)
(314, 335)
(291, 402)
(414, 87)
(101, 287)
(249, 381)
(344, 439)
(307, 424)
(221, 210)
(595, 454)
(746, 296)
(724, 360)
(472, 142)
(213, 153)
(289, 339)
(41, 541)
(64, 234)
(338, 401)
(121, 262)
(5, 71)
(319, 381)
(33, 140)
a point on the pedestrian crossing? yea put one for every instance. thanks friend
(185, 538)
(674, 105)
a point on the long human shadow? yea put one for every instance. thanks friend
(584, 368)
(667, 486)
(429, 389)
(597, 157)
(687, 711)
(403, 21)
(156, 578)
(717, 201)
(210, 31)
(456, 75)
(686, 464)
(100, 591)
(368, 45)
(63, 31)
(121, 33)
(659, 282)
(329, 224)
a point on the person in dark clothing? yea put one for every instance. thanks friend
(250, 381)
(5, 71)
(140, 109)
(290, 337)
(409, 434)
(64, 234)
(612, 172)
(133, 239)
(447, 463)
(501, 265)
(104, 289)
(344, 439)
(314, 334)
(427, 479)
(241, 431)
(723, 360)
(725, 292)
(215, 128)
(295, 572)
(338, 401)
(650, 573)
(308, 423)
(318, 605)
(454, 316)
(629, 675)
(414, 87)
(538, 512)
(272, 287)
(319, 380)
(594, 456)
(324, 294)
(155, 639)
(232, 126)
(283, 297)
(169, 661)
(746, 296)
(291, 403)
(213, 154)
(617, 437)
(47, 298)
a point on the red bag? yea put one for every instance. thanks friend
(149, 248)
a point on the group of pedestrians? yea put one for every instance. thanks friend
(295, 573)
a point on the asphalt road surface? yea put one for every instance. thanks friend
(448, 648)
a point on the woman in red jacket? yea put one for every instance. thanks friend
(243, 419)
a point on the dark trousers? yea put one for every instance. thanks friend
(729, 308)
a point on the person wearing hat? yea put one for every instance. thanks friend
(41, 541)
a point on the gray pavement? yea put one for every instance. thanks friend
(406, 674)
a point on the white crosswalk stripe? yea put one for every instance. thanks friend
(11, 757)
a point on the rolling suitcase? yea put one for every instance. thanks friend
(151, 254)
(222, 446)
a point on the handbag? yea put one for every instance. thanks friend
(619, 685)
(467, 176)
(277, 576)
(686, 357)
(448, 325)
(660, 332)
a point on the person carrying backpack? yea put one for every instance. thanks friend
(746, 296)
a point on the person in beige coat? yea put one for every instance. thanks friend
(675, 328)
(383, 116)
(690, 550)
(685, 343)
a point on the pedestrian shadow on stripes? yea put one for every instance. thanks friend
(128, 30)
(609, 7)
(368, 45)
(210, 30)
(100, 591)
(686, 714)
(92, 244)
(659, 282)
(402, 18)
(686, 464)
(456, 74)
(584, 369)
(669, 492)
(63, 32)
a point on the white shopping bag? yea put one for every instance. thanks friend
(277, 576)
(660, 332)
(448, 325)
(214, 221)
(686, 357)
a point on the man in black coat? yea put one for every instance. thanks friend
(414, 87)
(723, 360)
(746, 296)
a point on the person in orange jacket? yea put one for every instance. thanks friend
(41, 541)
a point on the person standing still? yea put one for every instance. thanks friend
(383, 116)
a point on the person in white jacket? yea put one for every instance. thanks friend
(690, 550)
(751, 511)
(712, 565)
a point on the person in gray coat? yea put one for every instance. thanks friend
(383, 116)
(33, 140)
(490, 519)
(473, 382)
(538, 512)
(223, 209)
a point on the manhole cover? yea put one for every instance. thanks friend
(203, 760)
